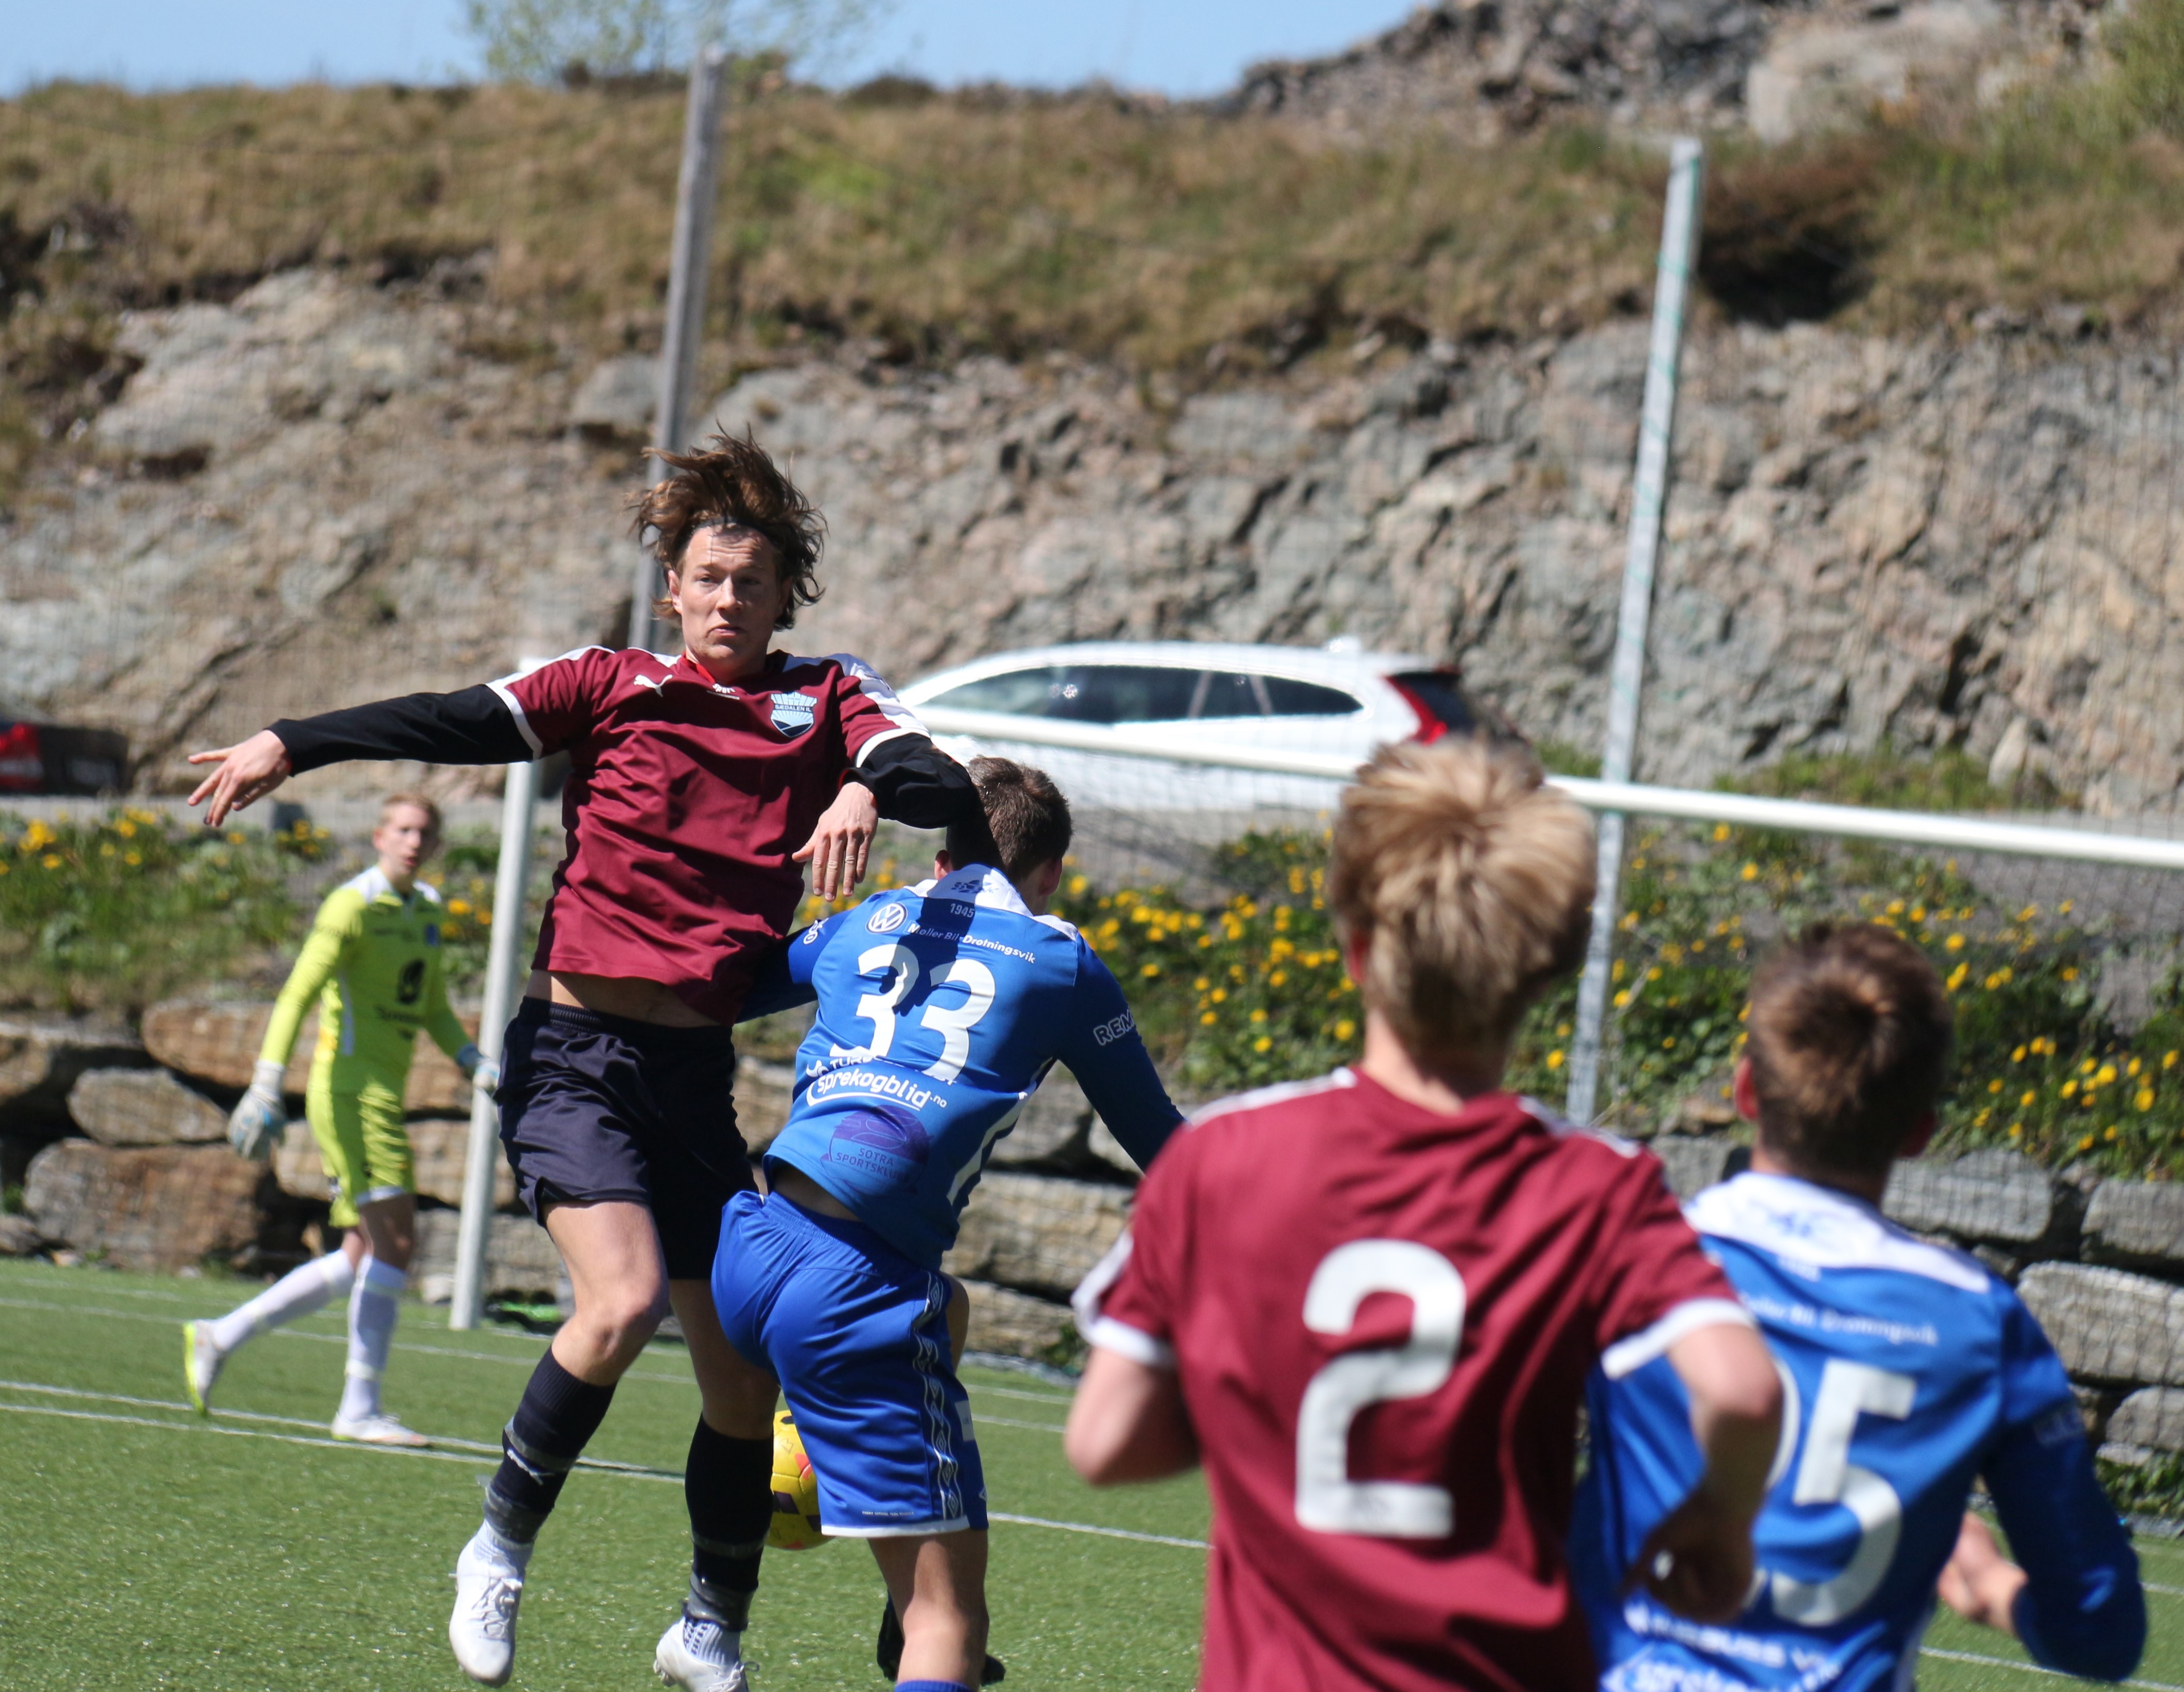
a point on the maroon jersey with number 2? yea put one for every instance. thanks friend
(1382, 1319)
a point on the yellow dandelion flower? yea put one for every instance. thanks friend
(2017, 1130)
(2068, 1088)
(132, 858)
(1150, 972)
(1345, 1029)
(1994, 1087)
(1209, 1019)
(1264, 1042)
(2018, 1056)
(1721, 831)
(459, 907)
(2145, 1099)
(2108, 1073)
(2070, 974)
(1201, 983)
(52, 860)
(1077, 884)
(1279, 978)
(1220, 995)
(1554, 1060)
(1750, 872)
(2133, 1067)
(1622, 999)
(2066, 907)
(2086, 1143)
(2028, 1100)
(1259, 1016)
(2111, 1132)
(1955, 943)
(125, 829)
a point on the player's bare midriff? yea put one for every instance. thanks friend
(805, 1194)
(630, 998)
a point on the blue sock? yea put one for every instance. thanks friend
(930, 1686)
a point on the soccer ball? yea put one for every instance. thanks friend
(795, 1492)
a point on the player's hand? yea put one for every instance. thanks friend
(1978, 1582)
(842, 841)
(256, 1125)
(482, 1072)
(245, 771)
(1698, 1562)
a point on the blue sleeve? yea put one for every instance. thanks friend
(1101, 1046)
(2082, 1610)
(785, 979)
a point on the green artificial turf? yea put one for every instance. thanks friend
(140, 1548)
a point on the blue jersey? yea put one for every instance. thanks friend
(1907, 1371)
(941, 1007)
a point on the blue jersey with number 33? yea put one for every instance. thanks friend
(941, 1007)
(1907, 1371)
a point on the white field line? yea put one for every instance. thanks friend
(985, 1421)
(1057, 1399)
(2033, 1668)
(530, 1362)
(195, 1424)
(1146, 1538)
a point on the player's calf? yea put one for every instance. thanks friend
(937, 1583)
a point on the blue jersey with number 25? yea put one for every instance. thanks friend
(1907, 1371)
(941, 1007)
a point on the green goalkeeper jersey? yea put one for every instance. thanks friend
(373, 963)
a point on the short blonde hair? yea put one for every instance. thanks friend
(1468, 882)
(431, 810)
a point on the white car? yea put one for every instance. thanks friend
(1337, 699)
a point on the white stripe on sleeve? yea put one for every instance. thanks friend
(522, 722)
(1634, 1351)
(871, 685)
(1139, 1346)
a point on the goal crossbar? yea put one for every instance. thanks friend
(1936, 829)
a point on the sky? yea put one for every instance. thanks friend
(1196, 47)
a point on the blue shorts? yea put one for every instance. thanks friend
(858, 1336)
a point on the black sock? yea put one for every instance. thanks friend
(542, 1441)
(728, 1485)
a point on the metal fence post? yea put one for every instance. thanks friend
(1680, 230)
(503, 979)
(687, 260)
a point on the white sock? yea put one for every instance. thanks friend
(373, 1307)
(297, 1293)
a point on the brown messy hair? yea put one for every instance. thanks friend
(1469, 883)
(1024, 820)
(732, 484)
(1850, 1031)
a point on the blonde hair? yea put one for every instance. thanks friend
(1468, 882)
(432, 811)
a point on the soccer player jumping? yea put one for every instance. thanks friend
(372, 962)
(941, 1007)
(1369, 1303)
(697, 787)
(1908, 1370)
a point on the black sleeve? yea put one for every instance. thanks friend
(472, 727)
(914, 781)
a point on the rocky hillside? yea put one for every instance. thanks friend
(1783, 66)
(314, 495)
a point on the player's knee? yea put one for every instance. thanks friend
(625, 1318)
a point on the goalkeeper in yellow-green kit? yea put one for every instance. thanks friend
(373, 963)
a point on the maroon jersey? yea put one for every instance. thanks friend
(685, 798)
(1382, 1319)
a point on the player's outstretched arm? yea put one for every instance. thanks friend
(1129, 1422)
(1101, 1045)
(1699, 1561)
(2077, 1605)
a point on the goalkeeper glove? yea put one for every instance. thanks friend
(482, 1072)
(256, 1125)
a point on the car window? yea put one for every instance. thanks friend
(1020, 692)
(1287, 699)
(1133, 692)
(1229, 693)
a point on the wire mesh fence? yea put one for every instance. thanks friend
(1936, 576)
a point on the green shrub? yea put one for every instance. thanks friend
(113, 914)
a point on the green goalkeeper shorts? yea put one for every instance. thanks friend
(362, 1142)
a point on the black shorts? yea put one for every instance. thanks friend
(598, 1108)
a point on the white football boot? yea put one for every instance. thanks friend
(693, 1655)
(488, 1588)
(201, 1364)
(378, 1429)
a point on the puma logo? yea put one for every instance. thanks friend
(655, 683)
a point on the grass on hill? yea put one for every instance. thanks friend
(1164, 238)
(148, 1549)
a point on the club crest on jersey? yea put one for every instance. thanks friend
(792, 713)
(888, 918)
